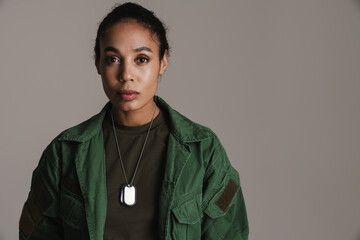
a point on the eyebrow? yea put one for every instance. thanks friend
(111, 49)
(139, 49)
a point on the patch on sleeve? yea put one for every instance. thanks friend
(30, 217)
(227, 195)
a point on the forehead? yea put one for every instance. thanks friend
(129, 34)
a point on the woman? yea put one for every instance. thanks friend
(138, 169)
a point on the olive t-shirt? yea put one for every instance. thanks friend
(141, 220)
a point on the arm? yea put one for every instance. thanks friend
(223, 202)
(39, 218)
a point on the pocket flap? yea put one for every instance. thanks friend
(72, 211)
(189, 212)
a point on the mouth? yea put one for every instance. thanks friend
(127, 95)
(125, 91)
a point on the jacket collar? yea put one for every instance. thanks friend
(181, 127)
(86, 130)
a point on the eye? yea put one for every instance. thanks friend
(142, 60)
(112, 59)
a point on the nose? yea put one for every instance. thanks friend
(125, 72)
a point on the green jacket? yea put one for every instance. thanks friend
(200, 197)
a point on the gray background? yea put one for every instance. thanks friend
(278, 81)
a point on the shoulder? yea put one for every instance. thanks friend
(204, 144)
(72, 136)
(86, 129)
(184, 129)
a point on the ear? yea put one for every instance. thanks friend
(163, 63)
(97, 66)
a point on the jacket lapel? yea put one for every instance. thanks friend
(90, 168)
(177, 156)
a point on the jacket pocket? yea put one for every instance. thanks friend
(72, 213)
(72, 210)
(186, 219)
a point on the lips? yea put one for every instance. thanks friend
(128, 95)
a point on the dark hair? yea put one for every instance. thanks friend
(136, 12)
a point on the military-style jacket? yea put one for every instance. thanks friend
(200, 196)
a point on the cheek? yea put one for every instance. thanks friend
(153, 74)
(105, 80)
(108, 83)
(106, 87)
(152, 80)
(108, 75)
(149, 82)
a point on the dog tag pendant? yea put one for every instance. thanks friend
(128, 195)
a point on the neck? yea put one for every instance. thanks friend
(135, 118)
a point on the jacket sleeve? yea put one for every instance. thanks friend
(223, 205)
(39, 218)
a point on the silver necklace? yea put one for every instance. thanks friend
(128, 190)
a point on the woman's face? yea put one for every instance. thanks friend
(129, 66)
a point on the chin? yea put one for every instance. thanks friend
(126, 106)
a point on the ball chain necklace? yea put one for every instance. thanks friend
(128, 190)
